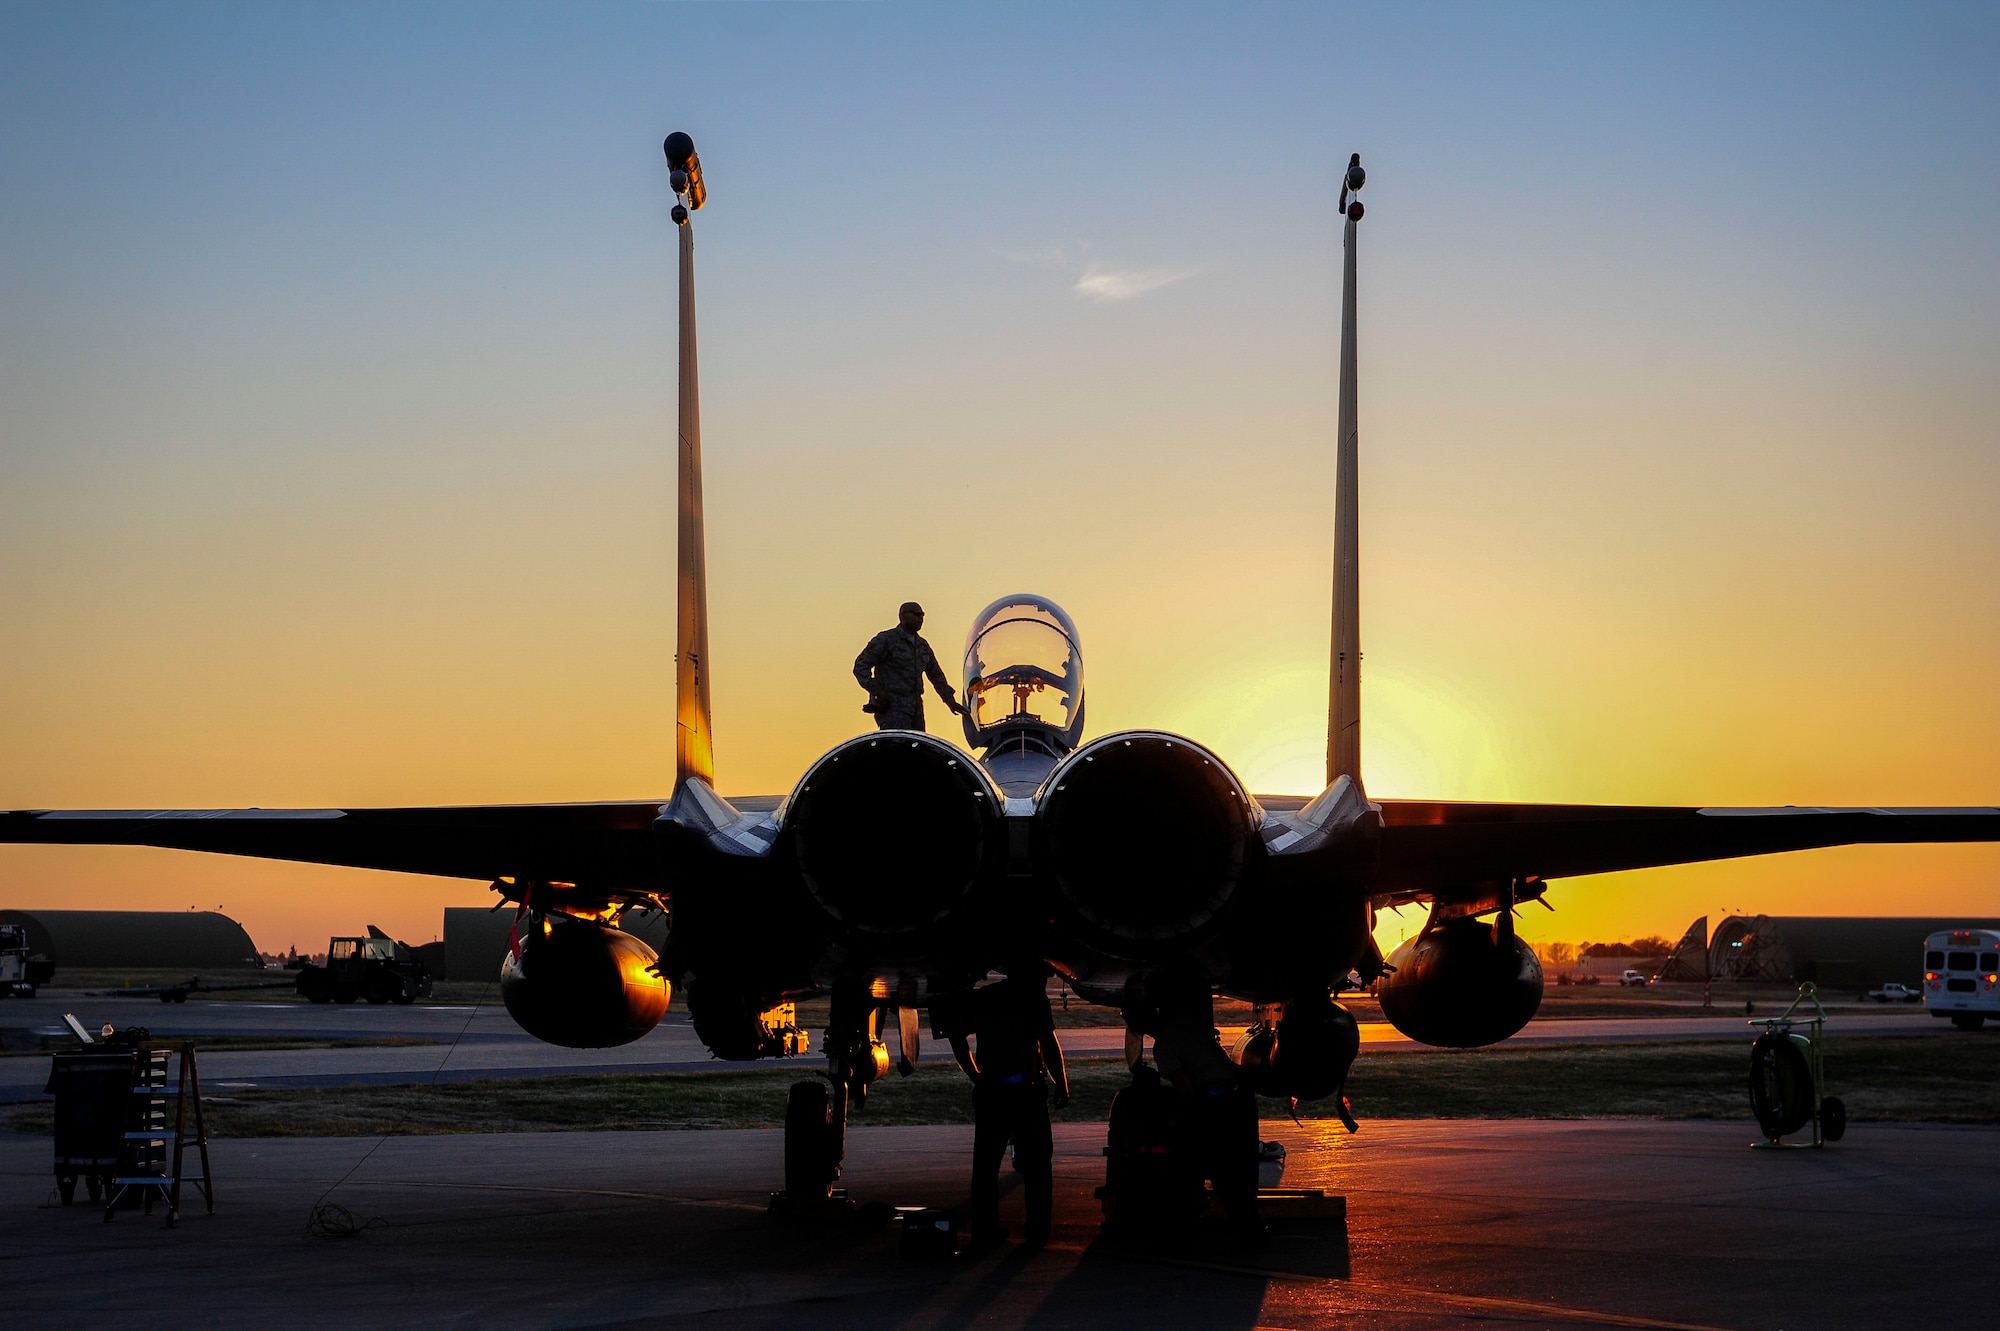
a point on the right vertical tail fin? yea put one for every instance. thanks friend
(1343, 712)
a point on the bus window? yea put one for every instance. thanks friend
(1960, 961)
(1933, 961)
(1989, 961)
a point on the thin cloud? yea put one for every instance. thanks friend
(1108, 285)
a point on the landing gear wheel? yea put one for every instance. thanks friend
(1832, 1118)
(1968, 1021)
(808, 1137)
(404, 1000)
(94, 1185)
(66, 1187)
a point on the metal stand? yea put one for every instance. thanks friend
(150, 1165)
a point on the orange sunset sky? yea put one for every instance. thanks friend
(336, 409)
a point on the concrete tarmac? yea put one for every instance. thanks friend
(480, 1042)
(1544, 1224)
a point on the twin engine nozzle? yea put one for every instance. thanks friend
(1137, 845)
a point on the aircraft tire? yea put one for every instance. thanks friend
(1968, 1021)
(1832, 1118)
(807, 1138)
(1781, 1085)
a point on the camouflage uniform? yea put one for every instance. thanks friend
(892, 667)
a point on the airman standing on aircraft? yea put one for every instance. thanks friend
(892, 668)
(1019, 1059)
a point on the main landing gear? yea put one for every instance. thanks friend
(816, 1111)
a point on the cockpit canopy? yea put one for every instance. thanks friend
(1023, 673)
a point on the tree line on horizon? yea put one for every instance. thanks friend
(1558, 955)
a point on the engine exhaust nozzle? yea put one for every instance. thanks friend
(1145, 835)
(891, 832)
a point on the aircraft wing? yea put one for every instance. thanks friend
(1430, 845)
(611, 845)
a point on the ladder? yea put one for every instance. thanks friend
(153, 1159)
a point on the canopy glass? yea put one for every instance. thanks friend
(1022, 664)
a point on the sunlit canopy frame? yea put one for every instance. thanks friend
(1023, 671)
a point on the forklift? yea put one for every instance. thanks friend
(377, 968)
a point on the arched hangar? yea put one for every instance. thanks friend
(194, 940)
(1836, 952)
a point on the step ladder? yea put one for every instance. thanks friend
(158, 1130)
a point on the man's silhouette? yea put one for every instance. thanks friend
(892, 668)
(1019, 1062)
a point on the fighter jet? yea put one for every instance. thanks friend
(901, 867)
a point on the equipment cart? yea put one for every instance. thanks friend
(1788, 1076)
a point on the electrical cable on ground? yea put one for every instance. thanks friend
(330, 1221)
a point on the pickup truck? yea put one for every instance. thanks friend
(1895, 993)
(1633, 977)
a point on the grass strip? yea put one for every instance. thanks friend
(242, 1043)
(1948, 1077)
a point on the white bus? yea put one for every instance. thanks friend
(1962, 976)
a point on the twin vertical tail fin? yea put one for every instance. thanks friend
(694, 745)
(1343, 712)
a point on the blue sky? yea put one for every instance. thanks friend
(336, 392)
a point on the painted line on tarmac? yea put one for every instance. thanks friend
(567, 1192)
(1472, 1301)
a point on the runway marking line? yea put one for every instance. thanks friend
(577, 1192)
(1480, 1301)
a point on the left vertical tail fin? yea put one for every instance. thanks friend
(694, 745)
(1343, 710)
